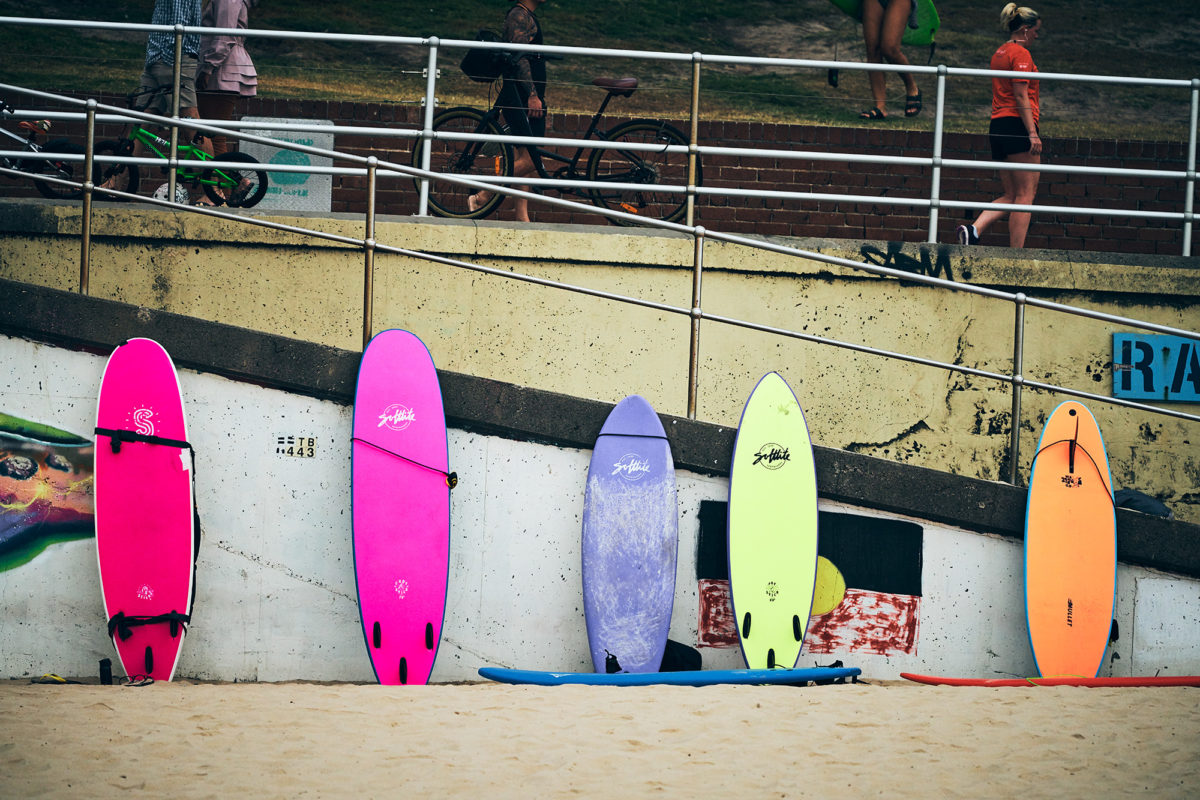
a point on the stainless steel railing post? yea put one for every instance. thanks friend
(693, 137)
(426, 141)
(696, 314)
(1189, 184)
(85, 225)
(369, 253)
(173, 163)
(935, 183)
(1018, 380)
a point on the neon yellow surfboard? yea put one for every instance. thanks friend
(772, 526)
(928, 21)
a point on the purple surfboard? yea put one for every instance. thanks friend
(144, 509)
(630, 540)
(401, 501)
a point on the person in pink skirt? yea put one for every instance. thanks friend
(224, 71)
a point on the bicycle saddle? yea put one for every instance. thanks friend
(41, 125)
(623, 87)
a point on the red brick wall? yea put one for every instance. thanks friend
(823, 218)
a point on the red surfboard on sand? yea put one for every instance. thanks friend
(1158, 680)
(145, 520)
(401, 507)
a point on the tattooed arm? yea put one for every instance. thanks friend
(520, 28)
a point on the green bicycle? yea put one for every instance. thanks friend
(238, 187)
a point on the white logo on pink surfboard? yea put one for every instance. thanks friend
(401, 588)
(143, 421)
(397, 417)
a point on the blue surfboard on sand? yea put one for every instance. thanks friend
(704, 677)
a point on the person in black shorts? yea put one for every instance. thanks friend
(522, 98)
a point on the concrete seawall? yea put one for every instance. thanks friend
(534, 336)
(276, 585)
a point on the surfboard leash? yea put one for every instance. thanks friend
(1075, 446)
(451, 477)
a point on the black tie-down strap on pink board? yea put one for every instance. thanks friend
(123, 625)
(119, 435)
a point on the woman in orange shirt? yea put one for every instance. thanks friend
(1014, 128)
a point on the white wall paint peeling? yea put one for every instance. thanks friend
(275, 581)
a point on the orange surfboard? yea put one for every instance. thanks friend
(1070, 546)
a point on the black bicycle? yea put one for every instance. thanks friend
(28, 141)
(646, 169)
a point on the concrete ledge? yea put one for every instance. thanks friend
(488, 406)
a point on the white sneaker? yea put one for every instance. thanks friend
(967, 235)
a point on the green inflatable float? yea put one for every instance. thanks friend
(927, 20)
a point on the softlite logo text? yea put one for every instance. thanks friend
(397, 417)
(772, 456)
(631, 467)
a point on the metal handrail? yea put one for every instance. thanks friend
(375, 168)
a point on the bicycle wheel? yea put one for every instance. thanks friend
(647, 167)
(470, 159)
(239, 187)
(64, 170)
(122, 177)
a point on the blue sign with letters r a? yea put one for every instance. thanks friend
(1156, 367)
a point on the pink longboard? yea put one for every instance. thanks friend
(145, 523)
(401, 500)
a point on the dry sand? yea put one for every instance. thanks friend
(488, 740)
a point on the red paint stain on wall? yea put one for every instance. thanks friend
(867, 622)
(717, 628)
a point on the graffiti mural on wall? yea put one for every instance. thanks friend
(45, 489)
(868, 590)
(935, 265)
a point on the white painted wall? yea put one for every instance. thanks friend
(276, 596)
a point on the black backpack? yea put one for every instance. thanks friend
(485, 65)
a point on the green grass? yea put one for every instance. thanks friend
(1097, 37)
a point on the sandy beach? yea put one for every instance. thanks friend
(488, 740)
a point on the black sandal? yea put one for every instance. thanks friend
(912, 104)
(873, 114)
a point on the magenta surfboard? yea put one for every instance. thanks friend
(401, 500)
(630, 541)
(1066, 680)
(145, 521)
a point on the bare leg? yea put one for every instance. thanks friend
(522, 168)
(895, 22)
(883, 28)
(872, 19)
(1019, 189)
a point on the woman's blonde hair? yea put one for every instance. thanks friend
(1012, 17)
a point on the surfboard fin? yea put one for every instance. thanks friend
(149, 659)
(797, 628)
(403, 670)
(746, 626)
(376, 636)
(428, 635)
(771, 658)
